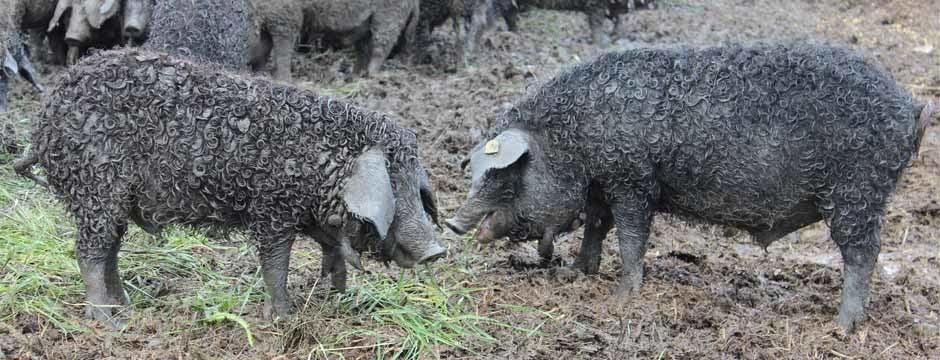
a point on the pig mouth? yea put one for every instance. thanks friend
(519, 229)
(485, 232)
(497, 226)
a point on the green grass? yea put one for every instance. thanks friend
(409, 317)
(415, 314)
(40, 276)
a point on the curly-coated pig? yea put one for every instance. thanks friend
(209, 31)
(374, 27)
(33, 17)
(231, 33)
(766, 137)
(596, 10)
(467, 16)
(143, 136)
(90, 24)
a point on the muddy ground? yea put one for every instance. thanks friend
(708, 293)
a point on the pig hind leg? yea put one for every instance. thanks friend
(633, 217)
(386, 29)
(856, 229)
(101, 225)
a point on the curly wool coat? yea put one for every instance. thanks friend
(140, 134)
(737, 135)
(209, 31)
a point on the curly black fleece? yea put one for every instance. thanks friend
(163, 140)
(738, 135)
(210, 31)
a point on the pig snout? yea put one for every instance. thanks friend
(433, 253)
(467, 217)
(133, 29)
(77, 35)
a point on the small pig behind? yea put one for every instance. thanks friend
(767, 137)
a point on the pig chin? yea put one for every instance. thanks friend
(494, 226)
(499, 224)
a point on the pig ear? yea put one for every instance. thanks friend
(428, 200)
(499, 153)
(23, 67)
(99, 11)
(60, 8)
(10, 66)
(368, 191)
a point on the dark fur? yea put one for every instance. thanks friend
(133, 134)
(596, 10)
(764, 137)
(210, 31)
(470, 16)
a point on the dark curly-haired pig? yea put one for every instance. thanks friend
(142, 136)
(596, 10)
(208, 31)
(90, 24)
(766, 137)
(472, 16)
(373, 27)
(231, 33)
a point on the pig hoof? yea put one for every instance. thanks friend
(628, 287)
(103, 315)
(585, 267)
(274, 311)
(850, 322)
(567, 274)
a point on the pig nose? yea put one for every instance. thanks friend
(132, 30)
(436, 252)
(455, 226)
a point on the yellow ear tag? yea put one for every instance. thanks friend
(491, 147)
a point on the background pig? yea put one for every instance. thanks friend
(374, 27)
(90, 24)
(209, 31)
(765, 137)
(224, 151)
(596, 10)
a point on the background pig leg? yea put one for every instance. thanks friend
(283, 51)
(633, 217)
(99, 240)
(596, 19)
(385, 32)
(857, 235)
(596, 226)
(274, 252)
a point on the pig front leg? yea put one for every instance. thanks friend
(596, 17)
(334, 267)
(274, 252)
(633, 217)
(858, 237)
(597, 224)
